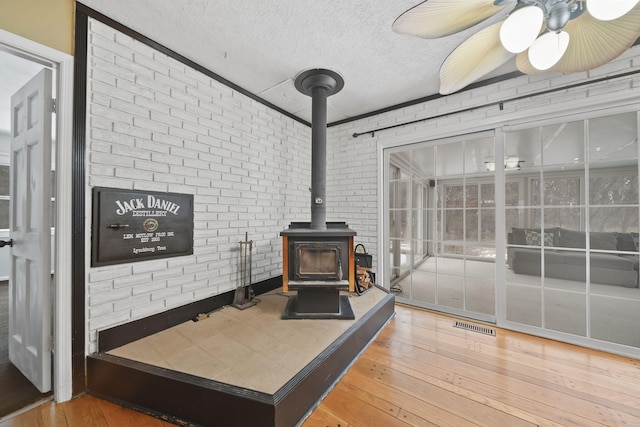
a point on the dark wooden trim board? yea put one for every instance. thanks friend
(78, 302)
(118, 336)
(189, 400)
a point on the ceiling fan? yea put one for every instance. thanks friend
(545, 35)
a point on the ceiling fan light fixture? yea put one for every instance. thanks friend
(521, 28)
(607, 10)
(547, 50)
(511, 163)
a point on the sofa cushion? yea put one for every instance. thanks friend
(575, 258)
(597, 240)
(634, 259)
(626, 242)
(603, 241)
(572, 239)
(599, 260)
(611, 261)
(533, 256)
(519, 235)
(534, 238)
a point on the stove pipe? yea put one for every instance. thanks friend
(319, 84)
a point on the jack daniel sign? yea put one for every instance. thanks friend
(131, 225)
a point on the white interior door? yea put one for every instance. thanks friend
(29, 225)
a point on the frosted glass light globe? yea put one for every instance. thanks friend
(547, 50)
(607, 10)
(521, 28)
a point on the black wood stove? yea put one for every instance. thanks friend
(318, 256)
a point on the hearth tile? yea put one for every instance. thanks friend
(288, 356)
(241, 315)
(218, 320)
(267, 376)
(323, 328)
(273, 326)
(307, 341)
(258, 350)
(206, 328)
(228, 351)
(168, 342)
(195, 361)
(139, 350)
(272, 304)
(230, 376)
(249, 337)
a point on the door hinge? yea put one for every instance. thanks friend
(54, 106)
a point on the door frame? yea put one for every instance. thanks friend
(62, 331)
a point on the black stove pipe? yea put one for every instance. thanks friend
(318, 158)
(319, 84)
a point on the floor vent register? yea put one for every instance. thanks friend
(475, 328)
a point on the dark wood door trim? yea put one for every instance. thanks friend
(78, 323)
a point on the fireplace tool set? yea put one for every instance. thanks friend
(244, 296)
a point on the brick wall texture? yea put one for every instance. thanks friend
(157, 124)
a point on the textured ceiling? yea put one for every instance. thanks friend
(262, 45)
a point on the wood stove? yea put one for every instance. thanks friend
(317, 255)
(318, 260)
(318, 264)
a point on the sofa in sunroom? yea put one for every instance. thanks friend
(563, 258)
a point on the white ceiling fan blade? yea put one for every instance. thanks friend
(593, 43)
(472, 59)
(438, 18)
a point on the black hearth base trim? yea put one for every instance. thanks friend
(175, 396)
(291, 311)
(190, 400)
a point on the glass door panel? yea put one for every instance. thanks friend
(524, 304)
(615, 318)
(450, 291)
(572, 230)
(565, 311)
(563, 144)
(452, 227)
(613, 213)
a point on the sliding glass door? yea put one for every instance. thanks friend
(564, 196)
(572, 234)
(441, 210)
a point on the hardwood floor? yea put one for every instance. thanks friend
(84, 411)
(421, 371)
(15, 390)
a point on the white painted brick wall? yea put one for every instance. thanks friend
(156, 124)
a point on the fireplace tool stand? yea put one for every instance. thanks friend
(243, 297)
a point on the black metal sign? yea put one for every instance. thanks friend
(132, 225)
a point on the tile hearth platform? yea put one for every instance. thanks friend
(239, 367)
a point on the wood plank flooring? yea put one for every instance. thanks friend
(85, 411)
(421, 371)
(15, 390)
